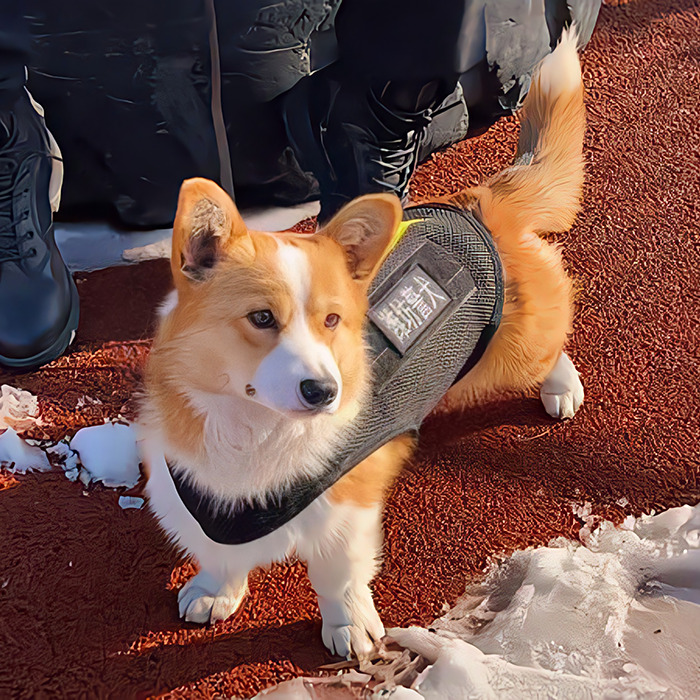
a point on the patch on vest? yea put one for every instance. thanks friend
(409, 308)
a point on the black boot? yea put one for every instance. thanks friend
(356, 138)
(38, 298)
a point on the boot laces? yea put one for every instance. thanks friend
(395, 160)
(10, 240)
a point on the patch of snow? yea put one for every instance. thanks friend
(63, 453)
(616, 616)
(72, 474)
(152, 251)
(130, 502)
(18, 409)
(108, 454)
(94, 245)
(19, 457)
(67, 459)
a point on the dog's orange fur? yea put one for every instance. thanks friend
(369, 481)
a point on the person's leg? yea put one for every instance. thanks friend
(38, 299)
(357, 124)
(14, 51)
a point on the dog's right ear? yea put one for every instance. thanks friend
(207, 225)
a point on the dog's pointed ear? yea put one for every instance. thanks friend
(207, 225)
(365, 227)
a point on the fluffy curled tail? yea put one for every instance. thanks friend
(542, 191)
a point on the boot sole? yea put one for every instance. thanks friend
(58, 347)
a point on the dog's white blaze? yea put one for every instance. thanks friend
(299, 355)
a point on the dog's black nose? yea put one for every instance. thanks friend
(318, 393)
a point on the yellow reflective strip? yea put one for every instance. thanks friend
(401, 231)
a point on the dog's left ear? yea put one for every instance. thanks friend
(365, 228)
(207, 226)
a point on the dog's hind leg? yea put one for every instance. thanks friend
(543, 196)
(206, 598)
(527, 349)
(562, 392)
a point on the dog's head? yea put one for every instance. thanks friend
(274, 319)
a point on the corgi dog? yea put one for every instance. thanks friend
(259, 362)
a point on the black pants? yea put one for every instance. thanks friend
(14, 49)
(392, 39)
(492, 44)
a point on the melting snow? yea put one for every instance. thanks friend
(130, 502)
(19, 457)
(616, 617)
(18, 409)
(108, 454)
(67, 458)
(105, 453)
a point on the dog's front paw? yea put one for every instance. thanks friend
(203, 599)
(351, 627)
(346, 640)
(562, 391)
(337, 639)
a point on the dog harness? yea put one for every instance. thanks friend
(434, 306)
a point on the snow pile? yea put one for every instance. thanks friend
(616, 617)
(18, 456)
(66, 457)
(18, 409)
(105, 453)
(108, 454)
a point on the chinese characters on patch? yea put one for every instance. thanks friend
(411, 305)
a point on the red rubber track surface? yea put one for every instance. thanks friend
(87, 596)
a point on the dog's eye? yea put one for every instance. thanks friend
(262, 319)
(332, 320)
